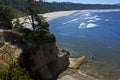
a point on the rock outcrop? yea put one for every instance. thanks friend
(73, 71)
(44, 61)
(76, 62)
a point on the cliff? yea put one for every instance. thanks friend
(40, 57)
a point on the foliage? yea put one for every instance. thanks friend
(17, 13)
(40, 26)
(48, 37)
(41, 23)
(0, 1)
(43, 36)
(17, 25)
(20, 5)
(32, 11)
(14, 72)
(6, 16)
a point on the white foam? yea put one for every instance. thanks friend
(83, 25)
(91, 25)
(82, 73)
(68, 77)
(77, 14)
(70, 21)
(98, 19)
(87, 25)
(91, 21)
(87, 14)
(93, 18)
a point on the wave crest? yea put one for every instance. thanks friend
(88, 25)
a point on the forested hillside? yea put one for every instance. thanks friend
(74, 6)
(20, 5)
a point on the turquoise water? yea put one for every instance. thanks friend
(95, 34)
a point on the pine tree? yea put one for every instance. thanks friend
(6, 17)
(33, 12)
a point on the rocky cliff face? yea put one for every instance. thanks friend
(44, 61)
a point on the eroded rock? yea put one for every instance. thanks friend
(76, 62)
(44, 61)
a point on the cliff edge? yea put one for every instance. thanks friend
(41, 57)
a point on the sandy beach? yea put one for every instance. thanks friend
(70, 74)
(53, 15)
(48, 16)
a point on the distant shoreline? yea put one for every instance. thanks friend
(75, 74)
(53, 15)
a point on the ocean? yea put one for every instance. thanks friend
(95, 34)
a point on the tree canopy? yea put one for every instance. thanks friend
(32, 11)
(6, 17)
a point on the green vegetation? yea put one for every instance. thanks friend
(41, 28)
(6, 16)
(32, 11)
(39, 34)
(50, 7)
(20, 5)
(13, 72)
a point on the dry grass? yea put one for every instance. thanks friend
(9, 53)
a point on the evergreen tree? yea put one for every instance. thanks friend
(0, 2)
(6, 17)
(32, 11)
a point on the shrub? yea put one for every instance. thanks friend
(49, 37)
(14, 72)
(6, 17)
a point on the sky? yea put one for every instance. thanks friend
(88, 1)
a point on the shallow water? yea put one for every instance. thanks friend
(95, 34)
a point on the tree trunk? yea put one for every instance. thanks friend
(33, 24)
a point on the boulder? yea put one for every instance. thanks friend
(76, 62)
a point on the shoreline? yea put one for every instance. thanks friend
(57, 14)
(53, 15)
(74, 74)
